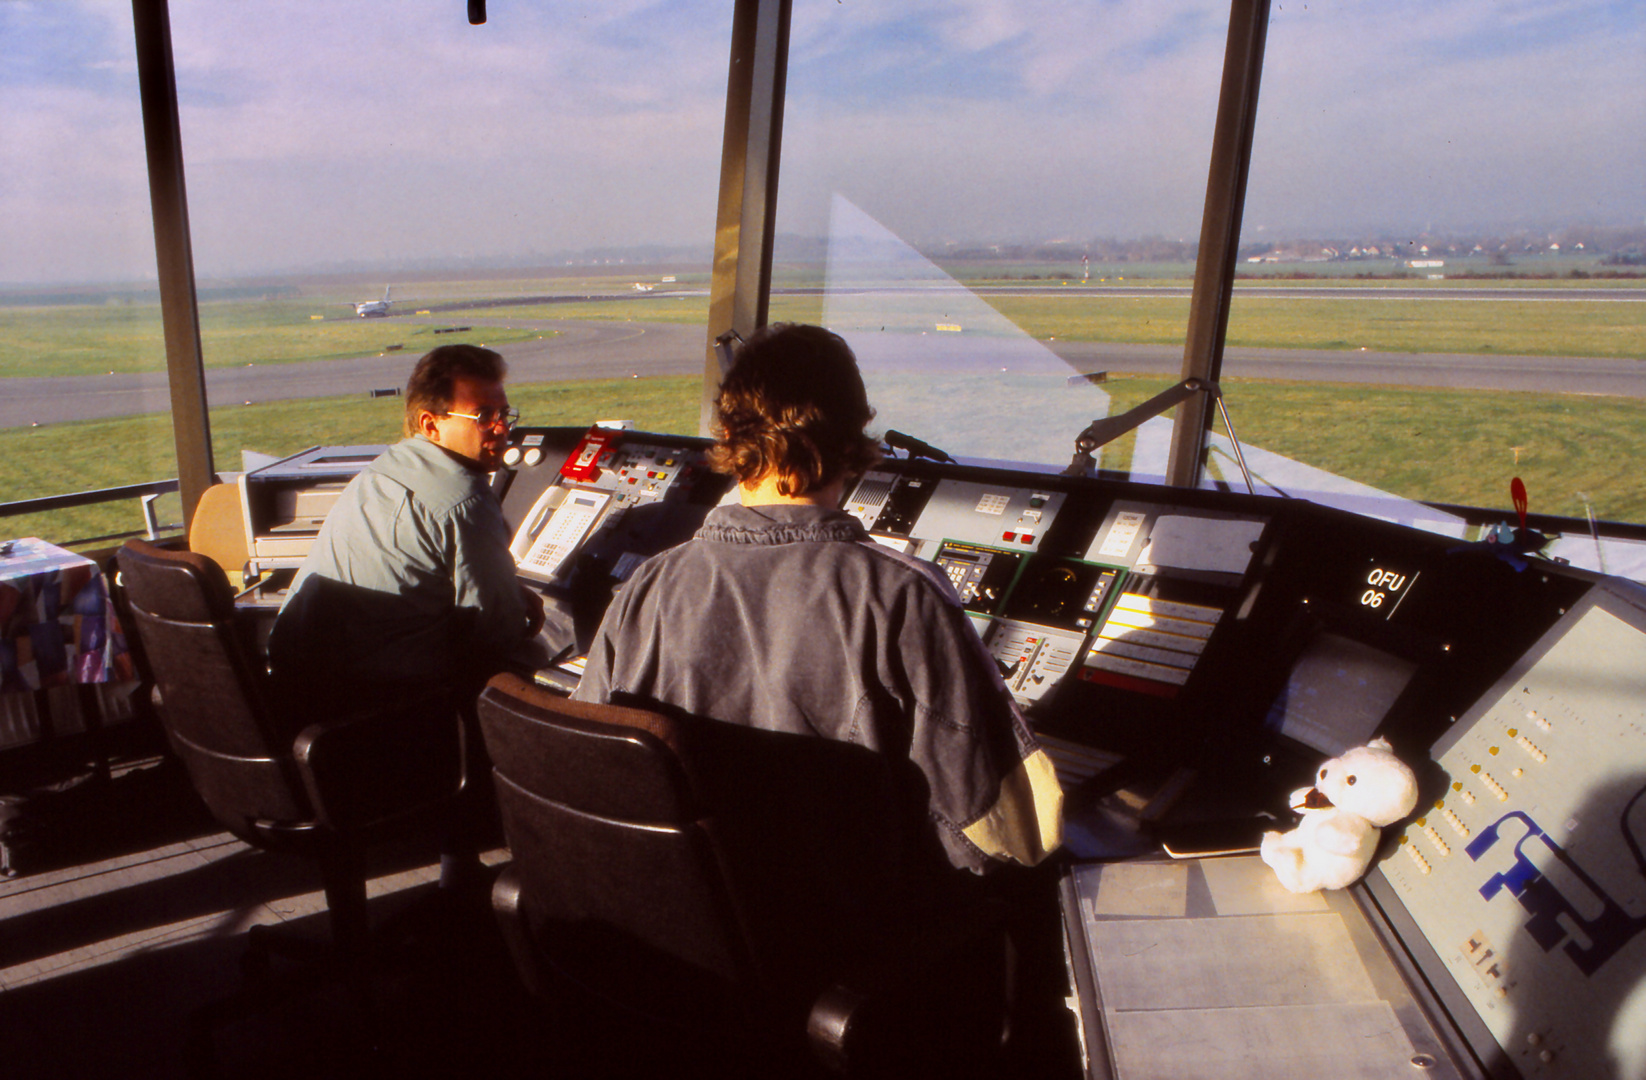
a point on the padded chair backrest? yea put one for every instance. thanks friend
(755, 856)
(218, 529)
(607, 834)
(212, 697)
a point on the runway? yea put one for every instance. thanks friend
(1531, 374)
(596, 349)
(1249, 290)
(580, 350)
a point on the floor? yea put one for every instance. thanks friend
(109, 942)
(130, 911)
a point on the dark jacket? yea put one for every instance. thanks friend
(789, 618)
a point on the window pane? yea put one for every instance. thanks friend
(378, 178)
(1443, 244)
(84, 403)
(997, 199)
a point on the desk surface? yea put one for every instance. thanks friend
(1208, 968)
(31, 555)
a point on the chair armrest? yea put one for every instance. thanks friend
(377, 768)
(511, 920)
(252, 625)
(937, 999)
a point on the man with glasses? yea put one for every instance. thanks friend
(410, 588)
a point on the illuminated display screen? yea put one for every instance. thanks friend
(1383, 589)
(1338, 693)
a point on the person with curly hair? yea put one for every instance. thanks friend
(782, 614)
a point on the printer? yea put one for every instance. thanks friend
(284, 503)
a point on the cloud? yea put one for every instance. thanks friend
(417, 135)
(74, 200)
(320, 132)
(1092, 119)
(1474, 114)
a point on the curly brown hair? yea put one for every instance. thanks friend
(793, 404)
(430, 386)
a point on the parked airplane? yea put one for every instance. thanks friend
(374, 308)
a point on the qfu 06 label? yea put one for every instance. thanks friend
(1385, 589)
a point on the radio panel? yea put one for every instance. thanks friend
(1035, 576)
(1199, 626)
(1032, 659)
(982, 576)
(1524, 870)
(998, 515)
(590, 506)
(890, 503)
(582, 505)
(1064, 593)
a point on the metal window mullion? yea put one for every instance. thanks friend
(174, 256)
(1219, 234)
(740, 290)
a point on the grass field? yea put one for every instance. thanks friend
(97, 339)
(92, 454)
(1519, 328)
(1530, 328)
(1541, 270)
(1446, 446)
(1441, 446)
(88, 339)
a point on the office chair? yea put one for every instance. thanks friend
(217, 530)
(324, 788)
(735, 894)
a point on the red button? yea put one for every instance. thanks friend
(1008, 536)
(1028, 538)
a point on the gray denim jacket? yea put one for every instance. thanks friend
(789, 618)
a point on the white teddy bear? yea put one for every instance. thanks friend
(1343, 814)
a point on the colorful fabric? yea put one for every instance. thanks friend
(57, 624)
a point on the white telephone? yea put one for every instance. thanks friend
(552, 531)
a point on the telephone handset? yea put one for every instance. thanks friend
(552, 532)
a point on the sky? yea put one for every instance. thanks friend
(385, 132)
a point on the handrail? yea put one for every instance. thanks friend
(87, 498)
(146, 492)
(1545, 523)
(1473, 515)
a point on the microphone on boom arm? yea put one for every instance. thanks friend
(914, 447)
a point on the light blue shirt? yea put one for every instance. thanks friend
(410, 580)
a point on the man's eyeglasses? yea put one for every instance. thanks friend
(491, 417)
